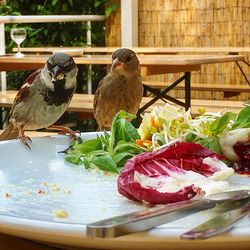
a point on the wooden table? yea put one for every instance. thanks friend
(139, 50)
(150, 65)
(146, 51)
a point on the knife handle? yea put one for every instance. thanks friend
(154, 216)
(145, 219)
(218, 224)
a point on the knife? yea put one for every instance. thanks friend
(220, 223)
(155, 216)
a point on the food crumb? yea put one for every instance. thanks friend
(7, 195)
(54, 188)
(40, 191)
(61, 213)
(67, 191)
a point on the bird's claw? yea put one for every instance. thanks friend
(73, 134)
(25, 139)
(66, 130)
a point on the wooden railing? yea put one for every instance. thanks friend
(48, 19)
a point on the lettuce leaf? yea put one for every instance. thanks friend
(110, 151)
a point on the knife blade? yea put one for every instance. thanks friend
(155, 216)
(220, 223)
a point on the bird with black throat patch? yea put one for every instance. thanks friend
(43, 98)
(120, 89)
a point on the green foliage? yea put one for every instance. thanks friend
(55, 34)
(110, 6)
(242, 120)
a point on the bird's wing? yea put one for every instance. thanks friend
(24, 91)
(97, 94)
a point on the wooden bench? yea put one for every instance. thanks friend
(83, 104)
(229, 90)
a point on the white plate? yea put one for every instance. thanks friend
(39, 182)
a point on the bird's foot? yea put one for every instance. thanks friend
(75, 135)
(25, 140)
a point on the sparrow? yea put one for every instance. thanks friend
(120, 89)
(43, 98)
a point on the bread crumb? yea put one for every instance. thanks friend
(61, 213)
(54, 188)
(45, 183)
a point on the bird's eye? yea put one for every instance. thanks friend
(49, 66)
(129, 58)
(68, 67)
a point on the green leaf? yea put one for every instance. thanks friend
(211, 143)
(121, 158)
(74, 159)
(87, 162)
(191, 137)
(220, 124)
(105, 163)
(121, 129)
(90, 145)
(128, 132)
(123, 146)
(242, 120)
(54, 2)
(33, 33)
(110, 9)
(105, 139)
(98, 3)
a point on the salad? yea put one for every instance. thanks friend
(227, 134)
(172, 156)
(110, 151)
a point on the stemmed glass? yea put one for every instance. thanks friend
(18, 35)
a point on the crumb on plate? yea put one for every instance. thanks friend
(60, 213)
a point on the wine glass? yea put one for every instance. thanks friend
(18, 35)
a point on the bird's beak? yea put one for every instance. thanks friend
(116, 64)
(57, 73)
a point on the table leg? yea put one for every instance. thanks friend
(242, 72)
(158, 94)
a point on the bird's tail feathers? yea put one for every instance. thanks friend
(10, 132)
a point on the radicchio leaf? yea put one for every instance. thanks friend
(170, 174)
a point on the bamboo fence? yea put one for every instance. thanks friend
(192, 23)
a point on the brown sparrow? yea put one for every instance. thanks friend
(43, 98)
(120, 89)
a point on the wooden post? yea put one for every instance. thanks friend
(129, 23)
(89, 74)
(2, 52)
